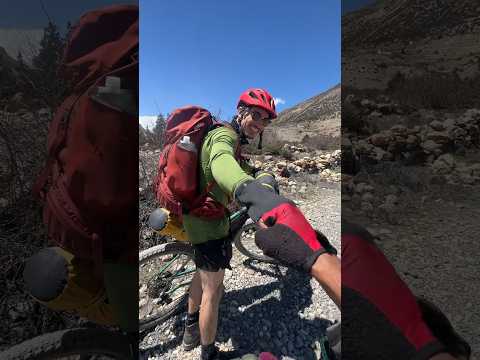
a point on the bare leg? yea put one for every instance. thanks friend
(212, 287)
(195, 293)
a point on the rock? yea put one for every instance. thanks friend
(368, 197)
(448, 123)
(444, 164)
(386, 108)
(366, 103)
(301, 162)
(399, 129)
(379, 154)
(44, 113)
(380, 139)
(468, 179)
(27, 116)
(375, 114)
(439, 137)
(411, 140)
(366, 206)
(437, 125)
(391, 200)
(268, 157)
(320, 166)
(14, 315)
(475, 169)
(291, 167)
(437, 180)
(430, 146)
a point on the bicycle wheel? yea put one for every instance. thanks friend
(78, 343)
(245, 243)
(165, 274)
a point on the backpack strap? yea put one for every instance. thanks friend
(58, 142)
(204, 194)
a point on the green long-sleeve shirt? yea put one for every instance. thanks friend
(218, 165)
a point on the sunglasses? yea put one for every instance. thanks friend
(256, 116)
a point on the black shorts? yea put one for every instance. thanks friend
(213, 255)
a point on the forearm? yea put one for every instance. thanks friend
(327, 271)
(227, 173)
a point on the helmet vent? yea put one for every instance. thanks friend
(272, 103)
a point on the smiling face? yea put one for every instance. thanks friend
(254, 121)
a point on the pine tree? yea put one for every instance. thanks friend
(159, 130)
(46, 64)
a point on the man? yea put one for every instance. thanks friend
(222, 165)
(381, 317)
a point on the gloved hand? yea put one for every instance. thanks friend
(290, 238)
(267, 178)
(377, 304)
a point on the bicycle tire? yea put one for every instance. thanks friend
(239, 239)
(179, 305)
(77, 341)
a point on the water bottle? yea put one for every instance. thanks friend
(186, 144)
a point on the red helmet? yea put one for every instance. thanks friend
(260, 98)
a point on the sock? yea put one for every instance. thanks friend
(192, 318)
(208, 351)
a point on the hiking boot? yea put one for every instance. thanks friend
(334, 336)
(191, 336)
(216, 354)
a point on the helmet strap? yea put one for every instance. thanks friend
(260, 141)
(238, 129)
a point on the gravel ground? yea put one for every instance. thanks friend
(268, 307)
(434, 247)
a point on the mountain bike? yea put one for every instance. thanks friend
(76, 343)
(166, 271)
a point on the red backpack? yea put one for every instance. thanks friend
(177, 182)
(90, 182)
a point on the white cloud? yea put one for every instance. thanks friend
(148, 121)
(278, 101)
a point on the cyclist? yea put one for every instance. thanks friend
(381, 318)
(234, 180)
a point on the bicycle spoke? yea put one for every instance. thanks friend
(185, 273)
(177, 287)
(165, 280)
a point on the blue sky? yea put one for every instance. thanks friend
(28, 14)
(207, 52)
(351, 5)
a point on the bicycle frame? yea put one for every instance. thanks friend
(233, 217)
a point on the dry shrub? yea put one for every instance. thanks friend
(322, 142)
(436, 90)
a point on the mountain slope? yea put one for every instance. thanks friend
(315, 122)
(409, 20)
(320, 107)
